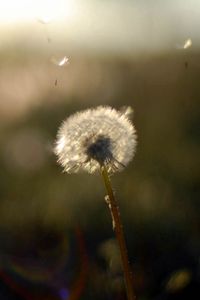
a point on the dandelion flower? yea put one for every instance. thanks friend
(95, 137)
(100, 139)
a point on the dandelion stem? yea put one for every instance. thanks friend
(118, 228)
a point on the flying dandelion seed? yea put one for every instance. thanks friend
(187, 44)
(60, 61)
(127, 111)
(44, 20)
(95, 137)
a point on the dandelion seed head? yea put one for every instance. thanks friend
(95, 137)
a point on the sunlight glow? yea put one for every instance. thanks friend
(12, 11)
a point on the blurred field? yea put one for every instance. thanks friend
(52, 220)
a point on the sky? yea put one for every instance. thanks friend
(107, 25)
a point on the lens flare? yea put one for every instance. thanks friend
(58, 282)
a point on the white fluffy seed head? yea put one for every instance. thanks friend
(95, 137)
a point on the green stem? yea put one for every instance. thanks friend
(112, 203)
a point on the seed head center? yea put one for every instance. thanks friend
(99, 148)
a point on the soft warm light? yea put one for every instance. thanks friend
(41, 10)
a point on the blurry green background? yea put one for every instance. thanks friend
(139, 53)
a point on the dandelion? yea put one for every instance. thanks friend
(95, 137)
(100, 139)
